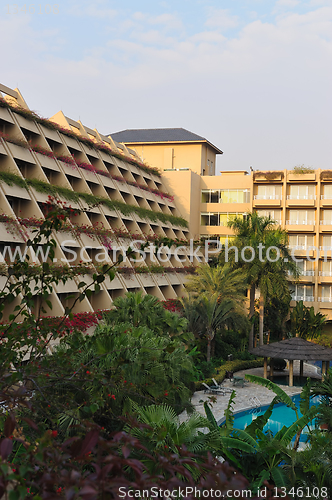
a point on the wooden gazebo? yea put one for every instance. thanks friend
(294, 348)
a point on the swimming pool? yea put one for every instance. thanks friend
(281, 415)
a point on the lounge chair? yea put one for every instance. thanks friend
(213, 389)
(222, 387)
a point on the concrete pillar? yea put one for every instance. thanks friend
(290, 373)
(265, 368)
(301, 368)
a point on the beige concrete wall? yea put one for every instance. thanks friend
(186, 187)
(193, 156)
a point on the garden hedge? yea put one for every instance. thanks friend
(230, 366)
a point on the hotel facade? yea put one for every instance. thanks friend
(146, 186)
(300, 203)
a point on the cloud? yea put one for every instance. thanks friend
(280, 4)
(97, 9)
(262, 95)
(222, 19)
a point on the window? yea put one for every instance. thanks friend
(273, 214)
(327, 217)
(326, 268)
(225, 196)
(210, 195)
(209, 219)
(327, 192)
(301, 241)
(217, 219)
(301, 217)
(327, 242)
(226, 217)
(268, 192)
(302, 292)
(234, 196)
(326, 293)
(306, 267)
(301, 192)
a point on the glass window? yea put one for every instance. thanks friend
(327, 242)
(205, 219)
(301, 217)
(302, 292)
(214, 219)
(327, 216)
(301, 241)
(268, 192)
(223, 219)
(302, 192)
(326, 268)
(205, 195)
(327, 192)
(214, 197)
(273, 214)
(326, 292)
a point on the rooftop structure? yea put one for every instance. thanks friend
(171, 149)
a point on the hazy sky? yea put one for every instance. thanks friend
(253, 77)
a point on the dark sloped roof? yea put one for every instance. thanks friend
(148, 135)
(294, 348)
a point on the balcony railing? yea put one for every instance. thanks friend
(324, 299)
(305, 298)
(325, 222)
(303, 273)
(325, 273)
(267, 197)
(302, 247)
(326, 197)
(325, 247)
(300, 222)
(301, 197)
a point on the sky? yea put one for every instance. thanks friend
(253, 77)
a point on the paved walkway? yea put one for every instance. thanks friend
(250, 390)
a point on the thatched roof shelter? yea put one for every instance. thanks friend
(294, 348)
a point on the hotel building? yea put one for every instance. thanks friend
(300, 203)
(121, 200)
(146, 185)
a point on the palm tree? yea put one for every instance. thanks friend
(216, 299)
(269, 275)
(224, 281)
(305, 323)
(216, 313)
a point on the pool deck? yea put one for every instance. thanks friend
(248, 391)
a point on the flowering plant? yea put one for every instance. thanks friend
(15, 140)
(42, 151)
(102, 146)
(66, 159)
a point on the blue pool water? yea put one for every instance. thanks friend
(281, 415)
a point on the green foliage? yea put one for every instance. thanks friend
(70, 195)
(229, 366)
(148, 311)
(263, 456)
(269, 275)
(13, 179)
(135, 364)
(302, 169)
(165, 431)
(215, 301)
(305, 323)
